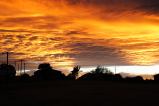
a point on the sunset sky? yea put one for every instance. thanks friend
(80, 32)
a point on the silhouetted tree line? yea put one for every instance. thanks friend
(46, 73)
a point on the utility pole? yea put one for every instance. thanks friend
(15, 64)
(19, 70)
(21, 61)
(24, 67)
(1, 59)
(7, 58)
(115, 69)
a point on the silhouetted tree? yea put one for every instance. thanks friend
(74, 74)
(101, 70)
(46, 72)
(7, 71)
(100, 73)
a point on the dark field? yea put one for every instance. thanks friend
(79, 93)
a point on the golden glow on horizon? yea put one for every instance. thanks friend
(41, 31)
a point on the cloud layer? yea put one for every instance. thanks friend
(84, 32)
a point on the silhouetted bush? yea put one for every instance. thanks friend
(24, 77)
(100, 73)
(134, 79)
(46, 72)
(7, 72)
(118, 77)
(87, 76)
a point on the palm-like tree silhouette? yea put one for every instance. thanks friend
(74, 73)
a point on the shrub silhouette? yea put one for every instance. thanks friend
(74, 73)
(45, 72)
(7, 71)
(118, 77)
(134, 79)
(24, 77)
(100, 73)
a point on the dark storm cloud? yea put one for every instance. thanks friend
(149, 6)
(90, 54)
(145, 6)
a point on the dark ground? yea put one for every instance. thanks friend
(79, 93)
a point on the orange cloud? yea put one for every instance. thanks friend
(69, 32)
